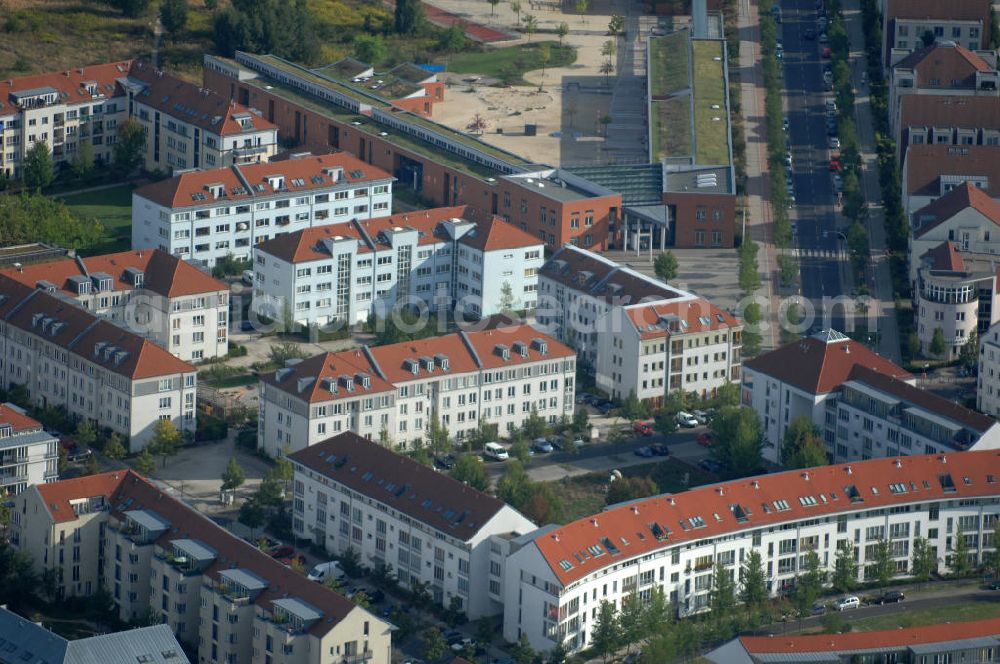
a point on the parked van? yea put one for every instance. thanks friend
(324, 570)
(496, 451)
(849, 602)
(248, 277)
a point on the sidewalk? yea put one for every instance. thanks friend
(759, 221)
(879, 274)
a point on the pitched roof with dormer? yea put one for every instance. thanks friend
(72, 86)
(945, 257)
(594, 275)
(963, 197)
(945, 65)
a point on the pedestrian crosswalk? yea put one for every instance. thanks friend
(810, 252)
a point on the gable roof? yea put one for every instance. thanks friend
(818, 366)
(187, 102)
(56, 496)
(926, 164)
(163, 273)
(307, 379)
(423, 494)
(495, 234)
(192, 189)
(964, 111)
(590, 273)
(955, 10)
(69, 84)
(667, 318)
(631, 530)
(17, 419)
(964, 196)
(947, 63)
(945, 257)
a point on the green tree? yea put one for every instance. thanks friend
(994, 29)
(453, 39)
(515, 6)
(633, 409)
(722, 597)
(665, 266)
(581, 6)
(252, 515)
(753, 581)
(514, 487)
(485, 432)
(130, 147)
(927, 38)
(409, 17)
(738, 440)
(581, 421)
(37, 171)
(522, 652)
(92, 467)
(470, 469)
(630, 488)
(173, 16)
(802, 446)
(958, 564)
(114, 449)
(166, 440)
(809, 584)
(371, 49)
(493, 6)
(520, 450)
(270, 493)
(131, 8)
(656, 615)
(561, 31)
(631, 625)
(544, 57)
(544, 504)
(994, 559)
(283, 470)
(507, 300)
(234, 476)
(82, 163)
(144, 463)
(969, 353)
(530, 25)
(437, 434)
(924, 561)
(937, 346)
(606, 636)
(534, 426)
(616, 25)
(884, 567)
(86, 434)
(748, 276)
(845, 569)
(434, 644)
(727, 395)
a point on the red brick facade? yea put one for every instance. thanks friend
(702, 220)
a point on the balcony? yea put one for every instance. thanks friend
(250, 151)
(358, 659)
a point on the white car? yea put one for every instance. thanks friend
(834, 142)
(849, 602)
(686, 420)
(324, 570)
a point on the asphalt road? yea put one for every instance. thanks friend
(817, 241)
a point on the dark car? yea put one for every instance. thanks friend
(645, 451)
(891, 597)
(78, 453)
(710, 466)
(994, 585)
(809, 34)
(376, 596)
(282, 551)
(659, 449)
(819, 609)
(70, 473)
(444, 462)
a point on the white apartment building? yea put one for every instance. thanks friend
(988, 380)
(207, 215)
(148, 291)
(865, 406)
(65, 356)
(639, 334)
(905, 22)
(556, 578)
(63, 109)
(191, 127)
(427, 527)
(220, 595)
(956, 293)
(28, 454)
(390, 393)
(930, 172)
(346, 272)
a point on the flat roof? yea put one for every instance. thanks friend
(148, 520)
(711, 136)
(638, 184)
(670, 63)
(698, 180)
(245, 578)
(195, 549)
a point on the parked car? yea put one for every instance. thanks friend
(281, 551)
(784, 123)
(495, 451)
(845, 603)
(376, 595)
(645, 451)
(834, 142)
(705, 439)
(541, 445)
(819, 609)
(642, 428)
(701, 416)
(579, 441)
(329, 569)
(822, 38)
(77, 453)
(834, 165)
(659, 449)
(246, 326)
(994, 585)
(444, 461)
(711, 466)
(891, 597)
(248, 277)
(686, 419)
(788, 159)
(292, 560)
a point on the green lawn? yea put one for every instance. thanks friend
(510, 62)
(672, 127)
(975, 610)
(711, 136)
(113, 208)
(670, 62)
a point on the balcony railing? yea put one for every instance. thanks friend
(358, 659)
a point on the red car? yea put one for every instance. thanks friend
(705, 439)
(642, 428)
(834, 165)
(282, 551)
(826, 52)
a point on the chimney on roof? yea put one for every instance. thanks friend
(635, 509)
(755, 484)
(555, 536)
(671, 500)
(805, 476)
(594, 521)
(899, 463)
(944, 459)
(721, 490)
(850, 471)
(847, 349)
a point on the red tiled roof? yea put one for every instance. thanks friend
(967, 195)
(57, 495)
(925, 164)
(951, 65)
(163, 273)
(327, 366)
(646, 318)
(954, 10)
(818, 367)
(628, 527)
(179, 191)
(963, 111)
(69, 83)
(401, 483)
(17, 419)
(888, 638)
(499, 234)
(945, 256)
(198, 106)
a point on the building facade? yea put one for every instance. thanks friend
(906, 22)
(391, 393)
(987, 385)
(158, 557)
(556, 578)
(191, 127)
(65, 356)
(946, 120)
(348, 488)
(636, 332)
(347, 272)
(204, 216)
(28, 454)
(148, 291)
(931, 171)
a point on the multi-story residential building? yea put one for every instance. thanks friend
(25, 641)
(906, 22)
(191, 127)
(207, 215)
(972, 641)
(346, 272)
(988, 378)
(943, 68)
(63, 109)
(28, 453)
(864, 405)
(636, 332)
(428, 528)
(965, 216)
(65, 356)
(446, 166)
(556, 577)
(390, 393)
(148, 291)
(931, 171)
(407, 86)
(956, 293)
(946, 120)
(219, 594)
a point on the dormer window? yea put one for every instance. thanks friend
(348, 383)
(521, 348)
(276, 181)
(365, 380)
(5, 431)
(442, 361)
(503, 351)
